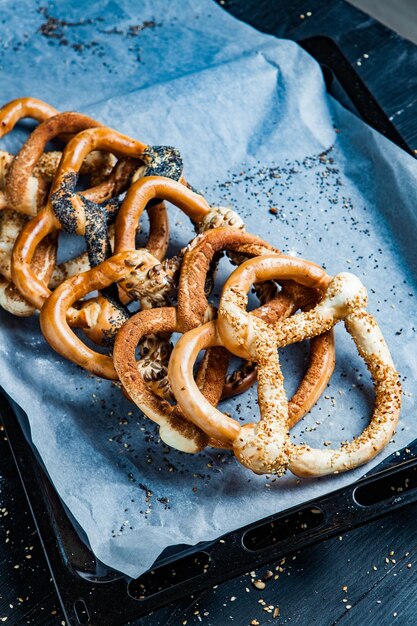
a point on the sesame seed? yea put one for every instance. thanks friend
(259, 584)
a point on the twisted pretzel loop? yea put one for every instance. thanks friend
(174, 429)
(75, 211)
(58, 314)
(210, 378)
(194, 310)
(266, 447)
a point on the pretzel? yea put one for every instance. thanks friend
(21, 191)
(43, 262)
(10, 222)
(24, 191)
(193, 204)
(146, 190)
(29, 193)
(174, 429)
(97, 165)
(16, 110)
(12, 113)
(149, 188)
(137, 376)
(266, 447)
(194, 310)
(134, 267)
(75, 212)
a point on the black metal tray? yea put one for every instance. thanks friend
(91, 593)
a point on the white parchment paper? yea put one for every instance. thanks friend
(256, 129)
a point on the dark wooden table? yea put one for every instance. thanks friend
(366, 577)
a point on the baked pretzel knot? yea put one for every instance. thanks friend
(194, 309)
(266, 447)
(174, 429)
(64, 309)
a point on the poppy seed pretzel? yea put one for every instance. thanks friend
(24, 186)
(74, 212)
(13, 221)
(97, 165)
(156, 241)
(33, 188)
(67, 203)
(266, 447)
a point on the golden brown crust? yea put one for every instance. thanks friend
(21, 108)
(193, 310)
(20, 194)
(145, 190)
(266, 447)
(34, 290)
(59, 313)
(192, 300)
(174, 428)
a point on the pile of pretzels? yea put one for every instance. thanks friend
(113, 309)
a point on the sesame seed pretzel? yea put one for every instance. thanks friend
(12, 222)
(59, 314)
(136, 377)
(266, 447)
(194, 310)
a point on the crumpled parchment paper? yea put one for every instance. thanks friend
(257, 131)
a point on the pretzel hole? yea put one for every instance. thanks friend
(168, 576)
(153, 365)
(345, 407)
(294, 360)
(89, 343)
(13, 141)
(69, 246)
(284, 528)
(142, 232)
